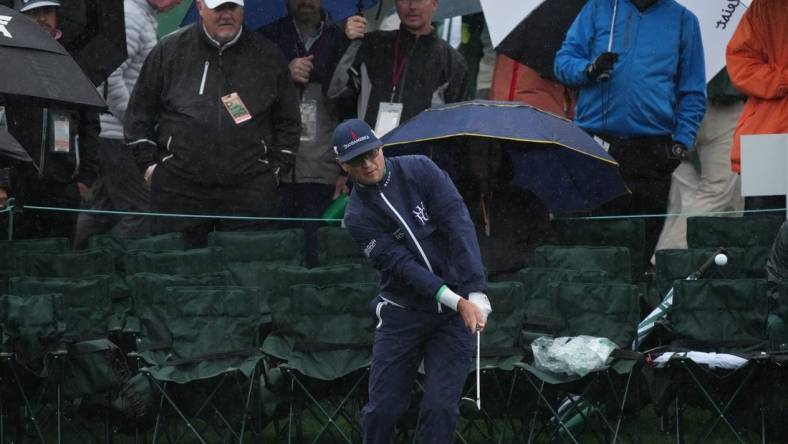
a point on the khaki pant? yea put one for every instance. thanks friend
(715, 188)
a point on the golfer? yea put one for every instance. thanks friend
(412, 224)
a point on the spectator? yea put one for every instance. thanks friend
(213, 121)
(64, 156)
(410, 221)
(397, 74)
(643, 99)
(757, 57)
(120, 187)
(705, 183)
(776, 272)
(313, 46)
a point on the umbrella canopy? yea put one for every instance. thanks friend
(36, 70)
(551, 157)
(537, 38)
(94, 32)
(11, 149)
(531, 31)
(258, 13)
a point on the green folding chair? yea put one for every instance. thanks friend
(336, 246)
(750, 231)
(245, 253)
(120, 245)
(540, 319)
(599, 400)
(322, 342)
(207, 375)
(615, 261)
(672, 265)
(196, 261)
(12, 250)
(81, 369)
(722, 316)
(629, 233)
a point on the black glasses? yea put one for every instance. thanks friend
(362, 158)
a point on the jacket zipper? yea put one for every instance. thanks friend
(204, 76)
(412, 236)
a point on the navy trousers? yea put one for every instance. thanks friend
(402, 339)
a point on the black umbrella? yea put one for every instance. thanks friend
(538, 37)
(94, 32)
(11, 149)
(36, 70)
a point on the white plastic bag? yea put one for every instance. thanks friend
(576, 355)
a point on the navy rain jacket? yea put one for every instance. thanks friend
(415, 229)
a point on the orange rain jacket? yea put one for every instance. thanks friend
(757, 58)
(513, 81)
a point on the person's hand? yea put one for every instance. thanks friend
(482, 302)
(679, 151)
(471, 315)
(84, 191)
(301, 68)
(3, 197)
(149, 175)
(356, 27)
(602, 65)
(340, 187)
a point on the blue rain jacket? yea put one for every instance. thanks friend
(658, 84)
(415, 229)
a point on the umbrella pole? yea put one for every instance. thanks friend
(478, 370)
(612, 27)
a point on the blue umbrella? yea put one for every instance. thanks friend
(258, 13)
(551, 157)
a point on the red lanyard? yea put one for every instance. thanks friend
(397, 67)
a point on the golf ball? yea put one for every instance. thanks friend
(720, 259)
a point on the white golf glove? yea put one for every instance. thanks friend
(480, 300)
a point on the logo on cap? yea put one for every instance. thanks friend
(353, 135)
(4, 20)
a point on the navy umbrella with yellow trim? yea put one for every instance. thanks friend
(551, 157)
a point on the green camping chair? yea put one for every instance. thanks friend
(245, 253)
(721, 316)
(615, 261)
(322, 341)
(120, 245)
(189, 262)
(540, 319)
(672, 265)
(750, 231)
(599, 399)
(629, 233)
(64, 368)
(208, 371)
(336, 246)
(11, 252)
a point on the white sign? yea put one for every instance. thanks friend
(718, 20)
(764, 165)
(4, 20)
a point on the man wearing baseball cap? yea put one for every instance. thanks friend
(213, 121)
(43, 12)
(408, 218)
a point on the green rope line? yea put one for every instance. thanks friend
(10, 207)
(196, 216)
(665, 215)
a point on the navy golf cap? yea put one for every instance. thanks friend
(352, 138)
(27, 5)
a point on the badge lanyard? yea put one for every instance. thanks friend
(397, 67)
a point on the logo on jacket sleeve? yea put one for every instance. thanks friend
(370, 246)
(421, 213)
